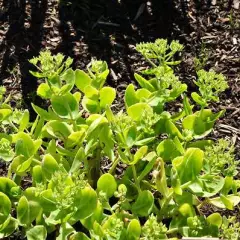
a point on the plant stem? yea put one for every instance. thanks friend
(135, 178)
(150, 61)
(12, 125)
(17, 179)
(114, 165)
(37, 162)
(164, 206)
(94, 168)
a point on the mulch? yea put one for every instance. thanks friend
(109, 30)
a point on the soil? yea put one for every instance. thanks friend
(109, 30)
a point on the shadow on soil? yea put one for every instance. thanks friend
(107, 27)
(22, 40)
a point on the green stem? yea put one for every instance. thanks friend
(37, 162)
(94, 168)
(12, 125)
(151, 62)
(17, 179)
(135, 178)
(71, 116)
(185, 185)
(164, 206)
(114, 165)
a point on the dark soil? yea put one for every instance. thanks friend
(109, 30)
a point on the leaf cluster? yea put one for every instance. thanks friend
(170, 170)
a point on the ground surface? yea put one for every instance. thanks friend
(109, 29)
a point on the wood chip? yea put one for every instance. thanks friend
(229, 128)
(236, 4)
(234, 41)
(109, 24)
(140, 11)
(114, 75)
(214, 2)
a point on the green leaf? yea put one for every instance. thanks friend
(37, 232)
(148, 167)
(228, 185)
(215, 219)
(130, 96)
(82, 80)
(6, 152)
(58, 129)
(141, 152)
(161, 180)
(144, 203)
(5, 207)
(42, 113)
(230, 201)
(78, 160)
(176, 92)
(144, 83)
(107, 96)
(77, 96)
(107, 184)
(134, 230)
(109, 114)
(47, 201)
(172, 130)
(4, 113)
(24, 145)
(187, 210)
(198, 99)
(65, 230)
(65, 106)
(37, 174)
(44, 91)
(79, 236)
(23, 167)
(7, 230)
(144, 141)
(97, 216)
(202, 144)
(143, 94)
(95, 125)
(75, 138)
(91, 92)
(131, 136)
(207, 186)
(190, 165)
(6, 185)
(69, 77)
(37, 74)
(137, 110)
(85, 203)
(201, 123)
(24, 121)
(90, 105)
(167, 150)
(186, 106)
(49, 166)
(23, 211)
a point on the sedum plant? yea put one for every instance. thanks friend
(170, 170)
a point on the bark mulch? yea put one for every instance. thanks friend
(109, 30)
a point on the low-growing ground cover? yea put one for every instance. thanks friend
(109, 30)
(170, 169)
